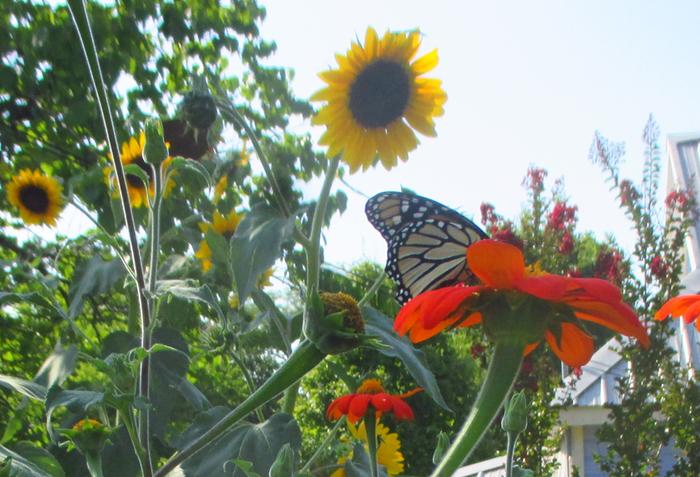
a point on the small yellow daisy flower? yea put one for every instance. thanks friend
(377, 97)
(388, 451)
(37, 196)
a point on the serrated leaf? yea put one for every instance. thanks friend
(256, 245)
(22, 467)
(35, 298)
(91, 278)
(28, 388)
(187, 290)
(57, 367)
(256, 443)
(379, 325)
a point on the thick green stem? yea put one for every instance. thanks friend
(371, 428)
(81, 22)
(313, 253)
(304, 359)
(503, 370)
(128, 419)
(512, 438)
(94, 464)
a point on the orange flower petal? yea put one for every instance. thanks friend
(339, 407)
(473, 319)
(575, 347)
(531, 347)
(382, 402)
(497, 264)
(692, 312)
(547, 287)
(444, 306)
(598, 289)
(401, 409)
(617, 316)
(676, 306)
(358, 407)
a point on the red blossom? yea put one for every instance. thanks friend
(567, 244)
(477, 350)
(628, 193)
(677, 200)
(534, 179)
(561, 216)
(578, 372)
(608, 266)
(506, 234)
(658, 267)
(488, 214)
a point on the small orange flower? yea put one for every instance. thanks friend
(371, 393)
(687, 306)
(556, 304)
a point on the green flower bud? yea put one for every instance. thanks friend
(155, 151)
(443, 443)
(88, 435)
(515, 415)
(334, 323)
(198, 107)
(283, 466)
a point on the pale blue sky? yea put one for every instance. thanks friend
(527, 83)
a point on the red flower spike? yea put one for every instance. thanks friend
(370, 394)
(501, 268)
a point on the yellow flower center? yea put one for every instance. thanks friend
(370, 386)
(534, 270)
(380, 93)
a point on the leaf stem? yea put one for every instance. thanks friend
(324, 444)
(512, 438)
(372, 290)
(304, 359)
(502, 372)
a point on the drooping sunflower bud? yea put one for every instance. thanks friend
(342, 302)
(88, 435)
(198, 106)
(155, 151)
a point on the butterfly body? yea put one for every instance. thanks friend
(426, 241)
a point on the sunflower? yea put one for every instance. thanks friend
(223, 224)
(36, 195)
(375, 98)
(132, 153)
(388, 451)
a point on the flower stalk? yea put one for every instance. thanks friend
(371, 428)
(81, 22)
(502, 372)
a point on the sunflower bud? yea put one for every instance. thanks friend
(198, 106)
(88, 435)
(155, 151)
(334, 323)
(515, 415)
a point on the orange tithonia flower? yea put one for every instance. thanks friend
(370, 393)
(525, 304)
(687, 306)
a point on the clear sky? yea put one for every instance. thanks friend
(528, 83)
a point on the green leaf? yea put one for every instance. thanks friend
(91, 278)
(379, 325)
(518, 472)
(7, 298)
(256, 443)
(28, 388)
(57, 367)
(25, 467)
(185, 164)
(74, 399)
(219, 248)
(39, 457)
(136, 170)
(245, 466)
(256, 245)
(187, 290)
(284, 464)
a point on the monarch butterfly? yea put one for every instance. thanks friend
(426, 241)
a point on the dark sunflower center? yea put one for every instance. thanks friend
(34, 198)
(379, 94)
(134, 180)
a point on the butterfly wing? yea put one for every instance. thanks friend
(426, 241)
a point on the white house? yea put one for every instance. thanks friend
(597, 383)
